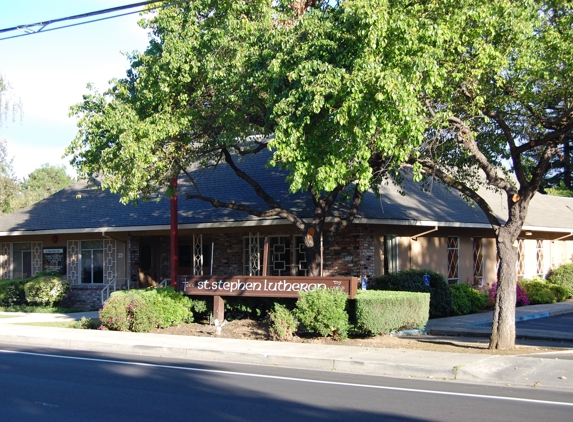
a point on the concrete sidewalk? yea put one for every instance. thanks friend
(479, 325)
(547, 370)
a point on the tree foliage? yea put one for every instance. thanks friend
(43, 182)
(333, 89)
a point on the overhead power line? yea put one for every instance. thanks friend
(30, 29)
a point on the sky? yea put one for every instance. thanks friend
(49, 72)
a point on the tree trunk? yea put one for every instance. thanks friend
(503, 328)
(312, 244)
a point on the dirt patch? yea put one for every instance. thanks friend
(256, 330)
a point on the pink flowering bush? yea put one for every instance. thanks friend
(521, 298)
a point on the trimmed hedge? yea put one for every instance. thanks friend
(381, 312)
(564, 277)
(441, 303)
(145, 310)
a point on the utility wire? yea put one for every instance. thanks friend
(30, 31)
(68, 26)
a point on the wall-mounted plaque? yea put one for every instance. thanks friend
(54, 259)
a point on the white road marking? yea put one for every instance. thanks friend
(276, 377)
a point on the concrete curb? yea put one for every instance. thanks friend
(539, 371)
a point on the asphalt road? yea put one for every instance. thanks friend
(563, 323)
(65, 386)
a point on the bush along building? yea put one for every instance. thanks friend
(100, 244)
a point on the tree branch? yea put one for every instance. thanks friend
(430, 166)
(341, 223)
(466, 138)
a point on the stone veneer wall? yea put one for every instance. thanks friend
(165, 258)
(85, 296)
(228, 252)
(133, 256)
(352, 255)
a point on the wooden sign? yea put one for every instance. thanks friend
(255, 286)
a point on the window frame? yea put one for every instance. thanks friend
(16, 250)
(83, 258)
(453, 254)
(478, 260)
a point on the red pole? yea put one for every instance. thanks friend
(173, 234)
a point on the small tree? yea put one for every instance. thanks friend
(501, 119)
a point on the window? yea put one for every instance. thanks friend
(300, 257)
(390, 254)
(22, 260)
(453, 260)
(478, 259)
(91, 257)
(280, 256)
(520, 258)
(540, 258)
(252, 254)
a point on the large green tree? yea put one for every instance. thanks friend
(501, 119)
(333, 89)
(41, 183)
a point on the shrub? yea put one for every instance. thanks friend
(541, 291)
(561, 293)
(12, 292)
(144, 310)
(282, 322)
(46, 290)
(520, 295)
(172, 307)
(87, 323)
(323, 312)
(441, 304)
(563, 276)
(466, 299)
(460, 302)
(380, 312)
(248, 307)
(123, 313)
(199, 306)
